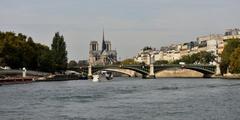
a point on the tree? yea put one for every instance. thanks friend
(202, 57)
(30, 54)
(229, 48)
(72, 64)
(18, 51)
(234, 66)
(59, 53)
(82, 63)
(129, 62)
(44, 59)
(147, 48)
(159, 62)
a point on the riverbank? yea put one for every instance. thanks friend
(231, 76)
(9, 80)
(61, 78)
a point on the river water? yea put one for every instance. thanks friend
(123, 99)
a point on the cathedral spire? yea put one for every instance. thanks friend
(103, 42)
(103, 35)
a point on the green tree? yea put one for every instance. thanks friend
(59, 53)
(129, 61)
(72, 64)
(202, 57)
(187, 59)
(11, 56)
(229, 48)
(234, 66)
(159, 62)
(147, 48)
(30, 54)
(44, 59)
(19, 51)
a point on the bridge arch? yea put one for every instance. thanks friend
(202, 70)
(143, 72)
(207, 71)
(127, 72)
(177, 72)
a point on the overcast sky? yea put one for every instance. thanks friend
(129, 24)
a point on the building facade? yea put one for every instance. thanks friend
(146, 55)
(211, 43)
(105, 56)
(231, 33)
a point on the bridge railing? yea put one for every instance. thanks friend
(211, 68)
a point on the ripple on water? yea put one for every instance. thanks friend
(124, 99)
(79, 98)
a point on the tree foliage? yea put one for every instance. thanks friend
(129, 61)
(159, 62)
(72, 64)
(18, 51)
(234, 66)
(229, 48)
(59, 53)
(202, 57)
(147, 48)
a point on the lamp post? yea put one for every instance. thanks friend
(24, 72)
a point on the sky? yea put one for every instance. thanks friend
(128, 24)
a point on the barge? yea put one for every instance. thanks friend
(15, 80)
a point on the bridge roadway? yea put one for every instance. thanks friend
(149, 71)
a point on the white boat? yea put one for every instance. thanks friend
(107, 74)
(103, 76)
(95, 78)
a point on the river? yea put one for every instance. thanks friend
(123, 99)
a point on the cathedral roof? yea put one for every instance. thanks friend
(104, 52)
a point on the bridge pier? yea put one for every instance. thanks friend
(151, 74)
(90, 72)
(218, 71)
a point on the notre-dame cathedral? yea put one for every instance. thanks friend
(105, 56)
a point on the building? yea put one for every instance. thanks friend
(104, 56)
(146, 55)
(169, 53)
(231, 33)
(211, 43)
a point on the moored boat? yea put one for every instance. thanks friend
(15, 80)
(103, 76)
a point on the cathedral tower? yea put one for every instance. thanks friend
(93, 46)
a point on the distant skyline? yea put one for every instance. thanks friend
(129, 24)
